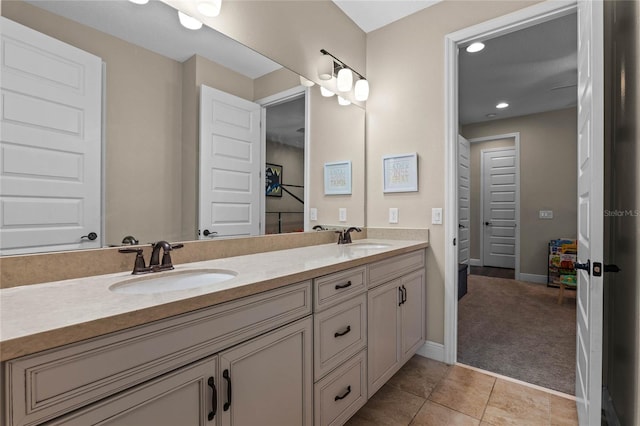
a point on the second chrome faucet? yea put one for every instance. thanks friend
(155, 265)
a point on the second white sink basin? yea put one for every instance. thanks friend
(172, 281)
(367, 246)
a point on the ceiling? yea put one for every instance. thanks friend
(534, 70)
(370, 15)
(155, 26)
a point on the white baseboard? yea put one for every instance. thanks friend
(475, 262)
(533, 278)
(432, 350)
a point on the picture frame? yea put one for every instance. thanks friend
(400, 173)
(273, 180)
(337, 178)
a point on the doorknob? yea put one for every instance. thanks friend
(206, 233)
(487, 223)
(584, 266)
(461, 226)
(611, 268)
(91, 236)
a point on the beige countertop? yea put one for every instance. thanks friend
(37, 317)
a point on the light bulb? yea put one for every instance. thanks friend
(305, 82)
(502, 105)
(189, 22)
(361, 91)
(139, 1)
(345, 80)
(210, 8)
(325, 67)
(344, 102)
(326, 92)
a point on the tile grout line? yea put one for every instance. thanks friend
(488, 399)
(417, 412)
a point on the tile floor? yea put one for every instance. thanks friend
(426, 392)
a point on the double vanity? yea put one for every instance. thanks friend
(302, 336)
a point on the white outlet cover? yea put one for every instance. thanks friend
(436, 216)
(342, 214)
(393, 215)
(313, 213)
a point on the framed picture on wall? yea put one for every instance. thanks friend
(273, 180)
(400, 173)
(337, 178)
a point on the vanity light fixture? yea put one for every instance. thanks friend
(139, 1)
(189, 22)
(209, 8)
(306, 83)
(345, 76)
(502, 105)
(475, 47)
(344, 102)
(326, 92)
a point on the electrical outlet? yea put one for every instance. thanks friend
(342, 214)
(313, 213)
(393, 215)
(436, 216)
(545, 214)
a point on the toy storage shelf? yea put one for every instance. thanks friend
(561, 262)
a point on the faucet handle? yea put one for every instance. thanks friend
(176, 246)
(139, 267)
(166, 256)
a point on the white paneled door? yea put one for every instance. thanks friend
(464, 200)
(50, 143)
(589, 297)
(230, 165)
(499, 207)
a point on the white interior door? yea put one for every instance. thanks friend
(50, 143)
(589, 297)
(499, 207)
(464, 199)
(230, 165)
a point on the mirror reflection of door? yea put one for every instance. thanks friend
(285, 150)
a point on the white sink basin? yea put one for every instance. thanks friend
(367, 246)
(172, 281)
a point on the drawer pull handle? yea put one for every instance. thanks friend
(214, 399)
(343, 396)
(341, 286)
(226, 376)
(342, 333)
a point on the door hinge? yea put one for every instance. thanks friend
(454, 241)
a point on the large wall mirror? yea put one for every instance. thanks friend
(153, 71)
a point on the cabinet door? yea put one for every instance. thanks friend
(412, 313)
(383, 334)
(268, 381)
(184, 397)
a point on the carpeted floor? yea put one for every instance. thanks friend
(517, 329)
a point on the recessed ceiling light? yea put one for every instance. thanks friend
(502, 105)
(475, 47)
(139, 1)
(491, 115)
(189, 22)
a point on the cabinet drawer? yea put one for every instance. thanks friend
(339, 332)
(48, 384)
(334, 288)
(338, 396)
(389, 269)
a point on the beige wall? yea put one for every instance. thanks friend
(475, 170)
(274, 82)
(548, 179)
(342, 140)
(405, 113)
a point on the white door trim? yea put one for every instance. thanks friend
(536, 14)
(274, 100)
(516, 138)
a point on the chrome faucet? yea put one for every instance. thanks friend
(344, 236)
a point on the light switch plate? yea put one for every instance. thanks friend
(342, 214)
(436, 216)
(393, 215)
(545, 214)
(313, 213)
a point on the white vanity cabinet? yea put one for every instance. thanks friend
(396, 316)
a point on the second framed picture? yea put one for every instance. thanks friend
(400, 173)
(337, 178)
